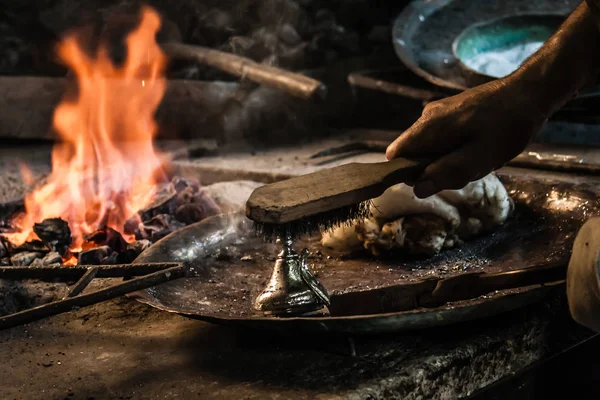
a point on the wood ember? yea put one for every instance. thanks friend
(186, 196)
(139, 245)
(181, 183)
(25, 258)
(133, 250)
(190, 213)
(165, 202)
(53, 230)
(56, 233)
(52, 258)
(132, 224)
(125, 257)
(3, 249)
(106, 237)
(158, 227)
(206, 201)
(112, 258)
(194, 207)
(33, 246)
(98, 256)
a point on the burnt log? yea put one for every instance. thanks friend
(165, 202)
(133, 250)
(185, 196)
(56, 233)
(54, 230)
(158, 227)
(25, 258)
(181, 184)
(194, 205)
(96, 256)
(36, 246)
(3, 249)
(189, 213)
(52, 258)
(107, 237)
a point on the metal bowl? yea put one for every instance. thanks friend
(425, 32)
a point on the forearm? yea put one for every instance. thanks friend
(568, 61)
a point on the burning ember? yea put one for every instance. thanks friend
(106, 168)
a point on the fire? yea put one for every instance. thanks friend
(106, 168)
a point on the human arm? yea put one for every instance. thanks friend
(477, 131)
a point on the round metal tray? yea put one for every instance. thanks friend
(229, 266)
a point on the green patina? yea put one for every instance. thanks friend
(504, 33)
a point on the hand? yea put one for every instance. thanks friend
(471, 134)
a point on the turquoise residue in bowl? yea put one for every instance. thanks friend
(499, 47)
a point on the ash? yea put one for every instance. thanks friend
(501, 63)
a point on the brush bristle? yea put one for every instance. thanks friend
(321, 222)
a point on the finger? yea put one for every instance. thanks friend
(455, 170)
(432, 107)
(421, 139)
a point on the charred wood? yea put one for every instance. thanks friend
(25, 258)
(106, 237)
(96, 256)
(158, 227)
(54, 230)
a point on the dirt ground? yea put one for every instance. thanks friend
(124, 350)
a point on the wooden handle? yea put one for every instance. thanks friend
(402, 170)
(326, 190)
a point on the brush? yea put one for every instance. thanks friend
(323, 200)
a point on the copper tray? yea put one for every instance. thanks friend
(222, 287)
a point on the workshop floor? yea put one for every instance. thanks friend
(122, 349)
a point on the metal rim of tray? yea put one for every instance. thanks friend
(378, 323)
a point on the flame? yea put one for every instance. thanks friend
(105, 169)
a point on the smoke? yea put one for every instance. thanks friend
(292, 34)
(298, 35)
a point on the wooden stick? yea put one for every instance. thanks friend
(77, 271)
(290, 82)
(69, 304)
(81, 284)
(416, 93)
